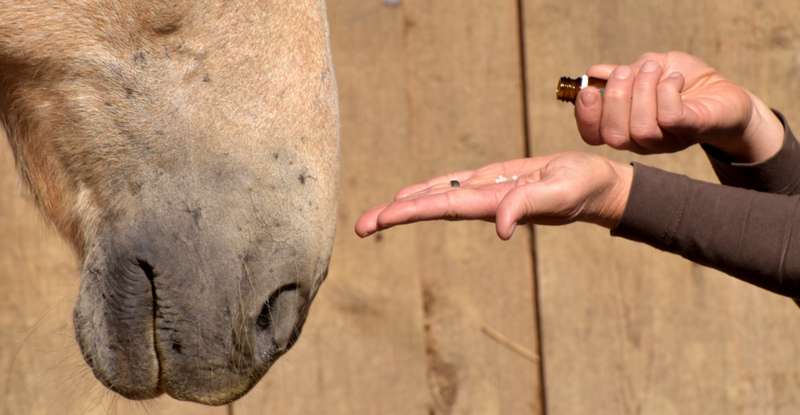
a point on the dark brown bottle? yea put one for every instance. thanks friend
(568, 88)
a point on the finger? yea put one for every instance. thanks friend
(615, 121)
(435, 190)
(526, 202)
(672, 113)
(660, 58)
(439, 188)
(446, 179)
(473, 178)
(481, 176)
(506, 170)
(588, 113)
(601, 71)
(511, 167)
(644, 105)
(604, 70)
(452, 205)
(431, 191)
(367, 224)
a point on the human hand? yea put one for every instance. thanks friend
(550, 190)
(665, 102)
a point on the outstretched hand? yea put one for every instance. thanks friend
(550, 190)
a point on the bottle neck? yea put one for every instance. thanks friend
(568, 88)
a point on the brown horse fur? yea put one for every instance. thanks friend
(188, 150)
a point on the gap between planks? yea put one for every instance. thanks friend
(528, 145)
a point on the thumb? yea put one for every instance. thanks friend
(672, 111)
(528, 201)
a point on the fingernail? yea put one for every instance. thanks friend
(675, 75)
(588, 97)
(622, 72)
(650, 66)
(513, 228)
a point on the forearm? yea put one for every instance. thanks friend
(750, 235)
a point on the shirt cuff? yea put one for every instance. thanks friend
(655, 207)
(778, 174)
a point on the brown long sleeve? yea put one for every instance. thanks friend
(780, 174)
(751, 231)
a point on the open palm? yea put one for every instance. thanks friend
(550, 190)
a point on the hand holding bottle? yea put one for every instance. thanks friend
(550, 190)
(666, 102)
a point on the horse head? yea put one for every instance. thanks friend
(188, 151)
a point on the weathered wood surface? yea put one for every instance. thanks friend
(362, 350)
(628, 329)
(408, 322)
(400, 326)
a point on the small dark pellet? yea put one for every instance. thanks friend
(455, 183)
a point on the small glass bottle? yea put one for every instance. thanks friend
(568, 88)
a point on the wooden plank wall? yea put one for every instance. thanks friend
(627, 329)
(400, 326)
(408, 322)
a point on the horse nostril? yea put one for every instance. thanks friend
(264, 320)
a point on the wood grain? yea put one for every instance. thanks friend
(426, 88)
(429, 319)
(465, 95)
(628, 329)
(362, 350)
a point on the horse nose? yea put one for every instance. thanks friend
(211, 345)
(198, 320)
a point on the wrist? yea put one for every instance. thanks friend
(616, 196)
(762, 137)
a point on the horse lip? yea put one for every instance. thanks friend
(114, 336)
(165, 383)
(128, 342)
(150, 274)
